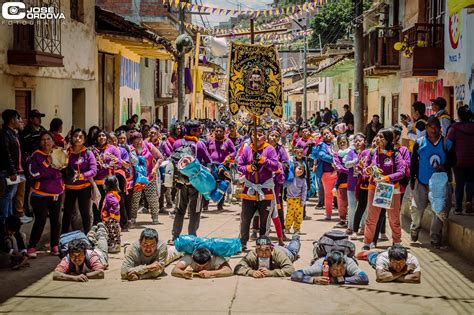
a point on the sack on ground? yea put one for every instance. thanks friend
(66, 238)
(333, 241)
(224, 247)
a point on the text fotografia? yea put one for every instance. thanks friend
(17, 11)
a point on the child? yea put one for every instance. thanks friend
(296, 198)
(111, 213)
(14, 243)
(341, 183)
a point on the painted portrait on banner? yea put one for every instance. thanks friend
(254, 80)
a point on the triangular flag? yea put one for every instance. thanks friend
(190, 6)
(183, 4)
(176, 2)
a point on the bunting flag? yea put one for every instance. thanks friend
(307, 7)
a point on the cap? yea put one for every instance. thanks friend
(35, 113)
(441, 102)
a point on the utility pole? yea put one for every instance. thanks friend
(181, 66)
(305, 73)
(359, 102)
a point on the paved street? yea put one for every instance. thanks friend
(446, 288)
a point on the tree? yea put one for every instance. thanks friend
(333, 22)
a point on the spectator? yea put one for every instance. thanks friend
(348, 116)
(46, 195)
(31, 133)
(460, 134)
(429, 156)
(203, 264)
(56, 128)
(417, 126)
(373, 128)
(14, 244)
(439, 108)
(327, 117)
(10, 163)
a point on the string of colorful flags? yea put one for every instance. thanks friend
(306, 7)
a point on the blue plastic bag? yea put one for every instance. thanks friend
(141, 180)
(224, 247)
(200, 178)
(221, 189)
(438, 191)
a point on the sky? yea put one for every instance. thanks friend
(214, 19)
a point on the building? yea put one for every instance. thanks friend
(54, 72)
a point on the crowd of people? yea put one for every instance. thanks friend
(103, 179)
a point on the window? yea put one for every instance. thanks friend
(382, 109)
(77, 10)
(146, 62)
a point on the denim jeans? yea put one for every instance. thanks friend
(292, 249)
(7, 192)
(351, 199)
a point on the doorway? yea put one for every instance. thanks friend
(394, 109)
(79, 108)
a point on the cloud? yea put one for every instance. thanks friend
(214, 19)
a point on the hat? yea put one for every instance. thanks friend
(35, 113)
(441, 102)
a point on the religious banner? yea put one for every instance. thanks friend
(254, 80)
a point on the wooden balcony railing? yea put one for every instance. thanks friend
(379, 49)
(427, 41)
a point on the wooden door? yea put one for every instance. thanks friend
(23, 103)
(394, 109)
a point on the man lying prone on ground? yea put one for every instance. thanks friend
(334, 268)
(147, 257)
(267, 261)
(202, 264)
(395, 265)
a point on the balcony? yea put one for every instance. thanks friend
(380, 58)
(36, 45)
(427, 41)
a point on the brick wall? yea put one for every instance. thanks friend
(121, 7)
(152, 8)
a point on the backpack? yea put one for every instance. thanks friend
(333, 240)
(68, 237)
(183, 150)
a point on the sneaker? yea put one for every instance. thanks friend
(341, 224)
(32, 252)
(155, 221)
(295, 237)
(163, 211)
(307, 218)
(55, 251)
(169, 206)
(25, 219)
(327, 218)
(366, 247)
(360, 232)
(319, 206)
(253, 236)
(172, 213)
(414, 235)
(354, 237)
(349, 232)
(383, 237)
(372, 245)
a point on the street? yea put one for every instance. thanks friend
(446, 285)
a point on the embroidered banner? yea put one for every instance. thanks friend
(254, 80)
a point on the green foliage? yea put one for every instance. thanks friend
(333, 22)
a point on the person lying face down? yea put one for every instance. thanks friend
(341, 270)
(80, 264)
(395, 265)
(202, 264)
(146, 258)
(265, 261)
